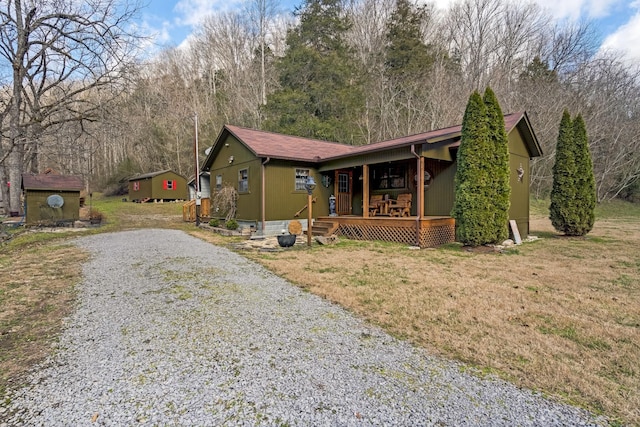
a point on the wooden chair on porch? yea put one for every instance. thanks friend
(375, 201)
(401, 206)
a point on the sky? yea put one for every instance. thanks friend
(617, 21)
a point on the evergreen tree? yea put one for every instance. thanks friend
(473, 206)
(405, 54)
(321, 91)
(501, 187)
(585, 180)
(408, 62)
(563, 210)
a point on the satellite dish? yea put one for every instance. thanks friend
(207, 151)
(55, 201)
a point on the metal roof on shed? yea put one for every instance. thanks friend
(52, 182)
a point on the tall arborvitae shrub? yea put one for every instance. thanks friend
(585, 182)
(472, 206)
(573, 193)
(501, 187)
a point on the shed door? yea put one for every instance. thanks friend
(343, 190)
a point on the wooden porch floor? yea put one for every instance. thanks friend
(429, 231)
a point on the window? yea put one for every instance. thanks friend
(301, 179)
(243, 181)
(168, 184)
(136, 186)
(218, 182)
(386, 177)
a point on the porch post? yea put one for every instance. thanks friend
(365, 191)
(420, 211)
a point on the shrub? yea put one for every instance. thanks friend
(95, 216)
(214, 222)
(573, 197)
(473, 204)
(231, 224)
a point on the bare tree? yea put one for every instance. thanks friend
(59, 52)
(262, 14)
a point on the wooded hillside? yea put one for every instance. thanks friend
(356, 72)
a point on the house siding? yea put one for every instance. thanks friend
(440, 194)
(280, 186)
(519, 209)
(231, 159)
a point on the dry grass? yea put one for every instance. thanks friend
(36, 293)
(560, 315)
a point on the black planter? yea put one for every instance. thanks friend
(286, 240)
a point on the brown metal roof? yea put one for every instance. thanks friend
(275, 145)
(269, 144)
(149, 175)
(52, 182)
(452, 132)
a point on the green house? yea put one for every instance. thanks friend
(156, 186)
(51, 199)
(269, 171)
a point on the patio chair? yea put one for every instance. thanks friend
(375, 202)
(401, 206)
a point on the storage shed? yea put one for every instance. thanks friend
(160, 185)
(51, 199)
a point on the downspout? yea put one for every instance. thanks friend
(263, 196)
(419, 193)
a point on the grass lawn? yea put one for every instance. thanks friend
(560, 315)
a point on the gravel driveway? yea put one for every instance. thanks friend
(171, 330)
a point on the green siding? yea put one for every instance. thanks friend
(152, 188)
(439, 196)
(231, 159)
(519, 210)
(38, 211)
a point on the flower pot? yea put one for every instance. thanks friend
(286, 240)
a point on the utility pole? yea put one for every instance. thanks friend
(198, 195)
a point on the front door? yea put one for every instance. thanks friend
(344, 191)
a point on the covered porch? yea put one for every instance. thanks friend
(404, 196)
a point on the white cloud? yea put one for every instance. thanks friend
(626, 38)
(192, 12)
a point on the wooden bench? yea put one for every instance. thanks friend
(401, 206)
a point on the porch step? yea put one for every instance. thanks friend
(323, 228)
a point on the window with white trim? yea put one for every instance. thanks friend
(301, 179)
(218, 182)
(243, 180)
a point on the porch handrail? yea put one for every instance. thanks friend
(297, 214)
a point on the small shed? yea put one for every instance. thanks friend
(160, 185)
(51, 199)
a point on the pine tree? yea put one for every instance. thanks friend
(473, 207)
(501, 187)
(321, 91)
(563, 210)
(585, 180)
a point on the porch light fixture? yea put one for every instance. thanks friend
(310, 185)
(520, 171)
